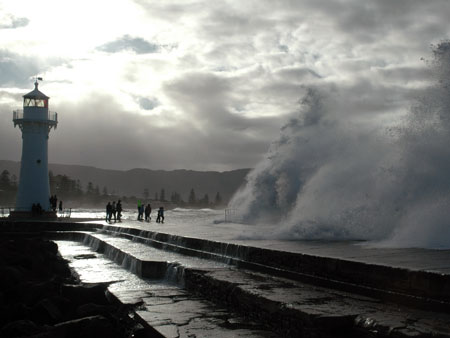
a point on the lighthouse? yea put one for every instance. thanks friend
(35, 121)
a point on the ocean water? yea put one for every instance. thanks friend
(174, 217)
(199, 223)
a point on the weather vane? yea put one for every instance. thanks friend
(38, 78)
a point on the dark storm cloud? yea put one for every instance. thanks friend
(242, 59)
(128, 43)
(232, 23)
(405, 74)
(208, 100)
(10, 22)
(368, 21)
(109, 137)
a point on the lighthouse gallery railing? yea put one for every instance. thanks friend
(18, 115)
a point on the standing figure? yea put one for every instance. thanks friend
(148, 210)
(60, 207)
(114, 211)
(55, 203)
(160, 218)
(119, 211)
(139, 210)
(108, 212)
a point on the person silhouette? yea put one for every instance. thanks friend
(119, 211)
(108, 212)
(160, 218)
(148, 211)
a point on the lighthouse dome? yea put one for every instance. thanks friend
(36, 93)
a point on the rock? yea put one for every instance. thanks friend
(11, 277)
(34, 291)
(20, 328)
(18, 311)
(141, 332)
(83, 294)
(92, 309)
(87, 327)
(46, 312)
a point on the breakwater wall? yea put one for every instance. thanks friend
(414, 287)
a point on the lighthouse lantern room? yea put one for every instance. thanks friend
(35, 121)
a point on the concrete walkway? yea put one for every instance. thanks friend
(437, 261)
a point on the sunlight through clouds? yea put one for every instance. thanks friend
(212, 69)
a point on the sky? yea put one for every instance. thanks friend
(205, 85)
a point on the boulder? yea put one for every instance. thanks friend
(87, 327)
(92, 309)
(46, 311)
(83, 294)
(20, 328)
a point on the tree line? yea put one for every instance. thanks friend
(8, 188)
(71, 190)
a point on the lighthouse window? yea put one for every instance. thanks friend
(34, 103)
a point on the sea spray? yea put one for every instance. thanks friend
(336, 175)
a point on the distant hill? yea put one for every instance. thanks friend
(133, 182)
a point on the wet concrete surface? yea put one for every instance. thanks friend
(169, 309)
(359, 251)
(309, 307)
(215, 300)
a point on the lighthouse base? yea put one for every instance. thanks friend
(45, 215)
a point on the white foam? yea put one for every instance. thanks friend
(336, 175)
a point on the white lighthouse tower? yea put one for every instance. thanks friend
(35, 122)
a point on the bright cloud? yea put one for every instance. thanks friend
(205, 84)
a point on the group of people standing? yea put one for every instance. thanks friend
(114, 210)
(54, 202)
(147, 210)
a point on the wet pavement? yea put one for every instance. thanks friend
(161, 270)
(214, 300)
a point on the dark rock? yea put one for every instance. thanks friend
(10, 277)
(82, 294)
(34, 291)
(20, 328)
(38, 297)
(141, 332)
(46, 312)
(18, 311)
(87, 327)
(92, 309)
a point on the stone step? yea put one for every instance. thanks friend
(296, 309)
(290, 307)
(166, 310)
(421, 286)
(423, 289)
(146, 261)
